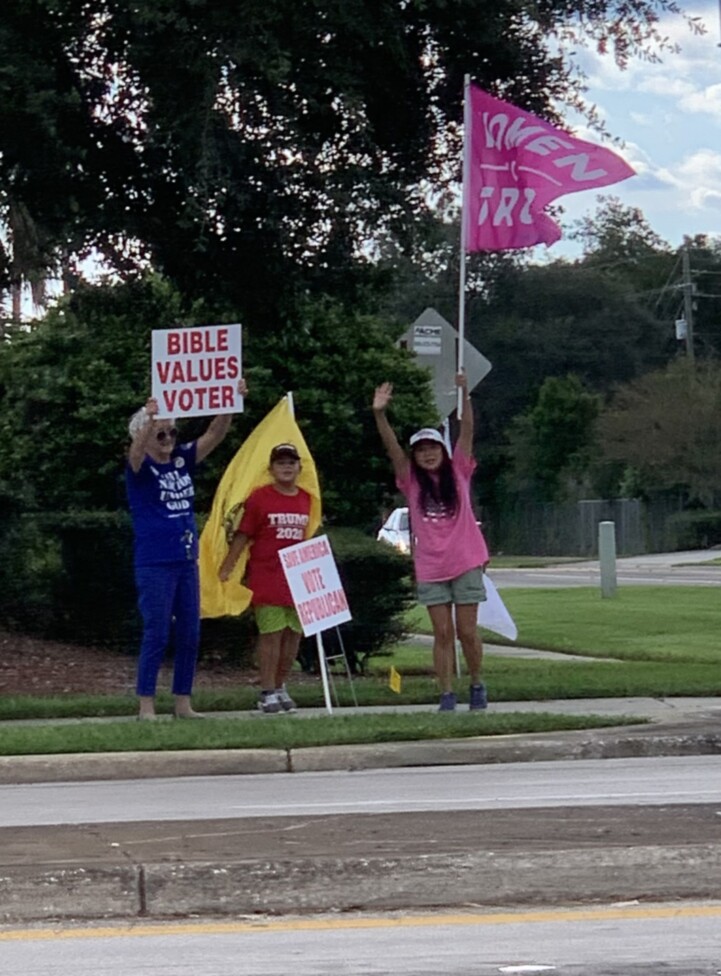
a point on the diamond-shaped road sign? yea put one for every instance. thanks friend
(435, 344)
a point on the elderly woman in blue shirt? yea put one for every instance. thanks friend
(159, 477)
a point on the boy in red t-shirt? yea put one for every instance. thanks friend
(276, 516)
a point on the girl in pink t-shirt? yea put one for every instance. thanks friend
(449, 551)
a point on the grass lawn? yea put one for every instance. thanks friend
(642, 623)
(280, 732)
(664, 642)
(507, 680)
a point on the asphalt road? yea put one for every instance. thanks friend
(655, 569)
(638, 781)
(606, 941)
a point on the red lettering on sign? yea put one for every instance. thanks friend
(185, 400)
(193, 341)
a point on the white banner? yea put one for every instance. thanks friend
(492, 613)
(195, 371)
(315, 586)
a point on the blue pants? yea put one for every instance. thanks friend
(168, 597)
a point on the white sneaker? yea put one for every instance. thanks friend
(286, 702)
(268, 703)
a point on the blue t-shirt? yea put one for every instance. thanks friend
(161, 505)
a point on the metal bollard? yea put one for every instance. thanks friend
(607, 557)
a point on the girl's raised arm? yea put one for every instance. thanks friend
(399, 460)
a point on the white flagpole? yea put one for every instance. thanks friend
(464, 228)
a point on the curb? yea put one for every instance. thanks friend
(375, 883)
(674, 739)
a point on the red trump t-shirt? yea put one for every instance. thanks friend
(272, 521)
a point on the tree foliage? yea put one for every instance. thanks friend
(552, 444)
(541, 322)
(251, 151)
(618, 239)
(665, 427)
(68, 388)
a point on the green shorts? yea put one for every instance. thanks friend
(270, 619)
(466, 588)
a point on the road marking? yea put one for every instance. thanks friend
(145, 930)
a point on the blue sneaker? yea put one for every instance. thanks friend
(479, 698)
(448, 702)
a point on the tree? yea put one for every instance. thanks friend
(619, 234)
(68, 388)
(619, 241)
(540, 322)
(252, 154)
(552, 444)
(665, 427)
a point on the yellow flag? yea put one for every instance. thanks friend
(394, 680)
(248, 470)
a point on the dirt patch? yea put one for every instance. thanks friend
(32, 666)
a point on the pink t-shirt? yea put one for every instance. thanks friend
(445, 546)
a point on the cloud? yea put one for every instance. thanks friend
(704, 164)
(703, 198)
(668, 87)
(705, 100)
(689, 185)
(648, 121)
(696, 59)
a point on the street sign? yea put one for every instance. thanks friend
(427, 340)
(435, 344)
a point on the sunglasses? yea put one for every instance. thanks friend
(164, 434)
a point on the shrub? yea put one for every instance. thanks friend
(29, 566)
(694, 529)
(93, 596)
(93, 592)
(69, 576)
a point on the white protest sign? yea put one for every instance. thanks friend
(195, 371)
(315, 586)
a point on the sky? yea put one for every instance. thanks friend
(669, 118)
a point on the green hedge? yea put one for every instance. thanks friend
(69, 576)
(694, 530)
(29, 566)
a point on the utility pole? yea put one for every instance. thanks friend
(688, 302)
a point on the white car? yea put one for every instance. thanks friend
(395, 530)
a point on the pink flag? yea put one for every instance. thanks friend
(516, 164)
